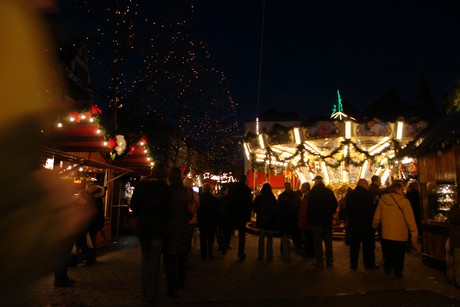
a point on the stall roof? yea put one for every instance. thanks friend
(64, 156)
(440, 135)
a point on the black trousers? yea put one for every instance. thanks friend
(207, 237)
(368, 246)
(63, 250)
(393, 256)
(175, 266)
(226, 238)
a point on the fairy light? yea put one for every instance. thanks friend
(180, 62)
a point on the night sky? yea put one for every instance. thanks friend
(312, 49)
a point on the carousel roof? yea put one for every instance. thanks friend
(340, 150)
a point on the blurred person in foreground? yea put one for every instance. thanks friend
(151, 204)
(394, 214)
(92, 197)
(36, 212)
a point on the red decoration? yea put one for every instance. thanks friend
(75, 115)
(95, 109)
(112, 143)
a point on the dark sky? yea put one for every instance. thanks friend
(314, 48)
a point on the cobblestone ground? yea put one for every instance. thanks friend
(225, 281)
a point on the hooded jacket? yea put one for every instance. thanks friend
(394, 213)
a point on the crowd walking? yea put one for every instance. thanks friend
(164, 205)
(298, 221)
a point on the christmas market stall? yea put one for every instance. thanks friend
(79, 151)
(131, 151)
(437, 151)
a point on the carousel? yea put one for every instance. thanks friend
(341, 149)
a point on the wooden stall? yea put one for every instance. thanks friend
(438, 156)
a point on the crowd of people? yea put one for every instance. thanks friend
(169, 212)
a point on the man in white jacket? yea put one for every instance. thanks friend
(396, 217)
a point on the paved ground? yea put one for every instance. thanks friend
(224, 281)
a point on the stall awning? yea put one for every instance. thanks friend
(65, 156)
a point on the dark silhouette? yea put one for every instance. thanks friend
(177, 237)
(289, 204)
(359, 213)
(208, 217)
(151, 204)
(322, 204)
(240, 199)
(265, 206)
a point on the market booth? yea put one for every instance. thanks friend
(438, 154)
(136, 157)
(79, 152)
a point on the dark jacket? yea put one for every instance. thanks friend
(413, 196)
(240, 199)
(265, 206)
(322, 204)
(151, 204)
(289, 204)
(360, 211)
(178, 230)
(97, 223)
(209, 211)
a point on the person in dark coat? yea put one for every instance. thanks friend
(225, 224)
(240, 200)
(177, 238)
(92, 196)
(151, 204)
(359, 213)
(289, 204)
(207, 217)
(305, 228)
(322, 204)
(265, 206)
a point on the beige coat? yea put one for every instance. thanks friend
(394, 213)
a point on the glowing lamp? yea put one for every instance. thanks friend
(246, 150)
(347, 129)
(399, 130)
(261, 141)
(297, 135)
